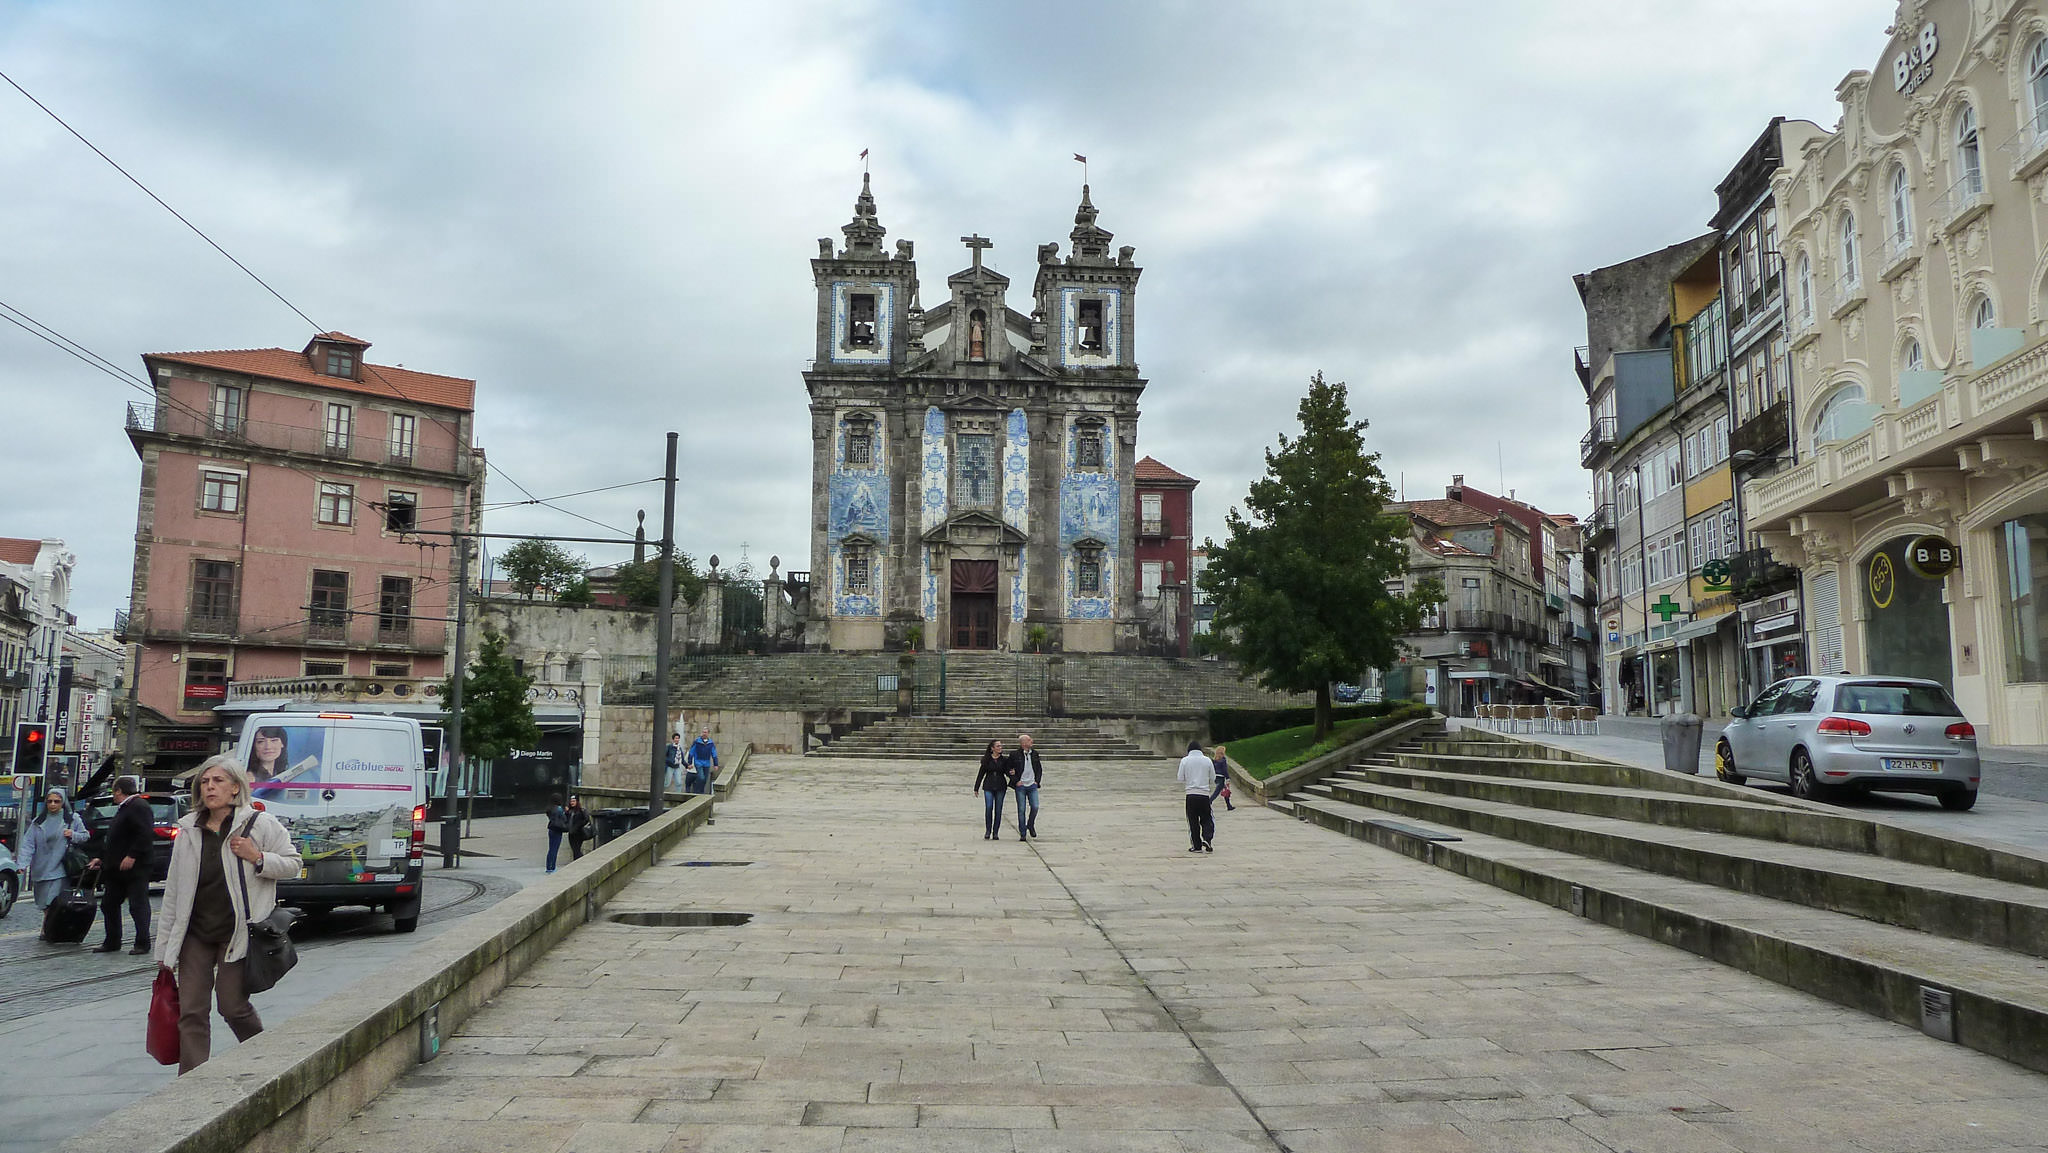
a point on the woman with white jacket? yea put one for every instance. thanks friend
(204, 930)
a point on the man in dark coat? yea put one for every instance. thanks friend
(131, 843)
(1027, 774)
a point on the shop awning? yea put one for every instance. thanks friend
(1699, 629)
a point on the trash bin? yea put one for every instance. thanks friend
(618, 822)
(1681, 735)
(451, 840)
(636, 816)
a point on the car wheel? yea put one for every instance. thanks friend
(9, 889)
(1724, 764)
(1804, 783)
(406, 924)
(1958, 799)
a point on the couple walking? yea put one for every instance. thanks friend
(689, 769)
(1020, 770)
(1204, 779)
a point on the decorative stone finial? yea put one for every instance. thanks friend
(1090, 240)
(864, 232)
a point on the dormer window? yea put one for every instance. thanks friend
(977, 335)
(1088, 326)
(860, 442)
(340, 363)
(861, 329)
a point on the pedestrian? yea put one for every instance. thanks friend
(992, 782)
(1027, 773)
(674, 759)
(1197, 777)
(225, 865)
(130, 846)
(579, 828)
(558, 827)
(703, 757)
(1222, 789)
(46, 844)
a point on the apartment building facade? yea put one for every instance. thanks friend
(1917, 234)
(291, 525)
(1485, 643)
(1165, 556)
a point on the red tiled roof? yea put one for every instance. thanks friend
(14, 550)
(1447, 513)
(340, 338)
(1151, 470)
(393, 383)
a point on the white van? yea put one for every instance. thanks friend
(352, 788)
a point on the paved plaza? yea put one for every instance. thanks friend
(905, 984)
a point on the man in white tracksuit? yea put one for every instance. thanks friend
(1197, 777)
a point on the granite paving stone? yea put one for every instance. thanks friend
(906, 985)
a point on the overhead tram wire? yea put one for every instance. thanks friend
(215, 245)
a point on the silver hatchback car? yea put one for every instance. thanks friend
(1823, 734)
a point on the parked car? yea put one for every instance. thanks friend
(1346, 693)
(1826, 734)
(10, 881)
(165, 809)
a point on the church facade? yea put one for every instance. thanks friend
(972, 465)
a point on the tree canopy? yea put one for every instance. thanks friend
(1301, 584)
(640, 584)
(541, 566)
(496, 716)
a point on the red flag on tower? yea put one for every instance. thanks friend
(1081, 158)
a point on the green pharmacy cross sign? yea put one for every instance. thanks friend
(1667, 608)
(1716, 573)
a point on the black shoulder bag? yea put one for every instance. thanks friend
(271, 953)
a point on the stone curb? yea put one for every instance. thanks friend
(1986, 1022)
(292, 1086)
(1309, 773)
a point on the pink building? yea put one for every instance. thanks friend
(278, 533)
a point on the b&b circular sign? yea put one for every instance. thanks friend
(1933, 557)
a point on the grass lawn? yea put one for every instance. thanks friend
(1276, 752)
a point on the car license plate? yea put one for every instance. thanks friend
(1896, 765)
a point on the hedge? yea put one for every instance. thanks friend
(1236, 724)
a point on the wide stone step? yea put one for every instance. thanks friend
(1927, 898)
(1999, 997)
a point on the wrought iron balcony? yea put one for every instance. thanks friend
(311, 441)
(1753, 572)
(1961, 201)
(1597, 440)
(1601, 522)
(1848, 291)
(1762, 436)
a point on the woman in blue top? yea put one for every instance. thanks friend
(50, 838)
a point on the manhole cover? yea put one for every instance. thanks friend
(713, 864)
(681, 920)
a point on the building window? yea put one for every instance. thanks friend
(860, 325)
(213, 596)
(974, 470)
(1150, 575)
(1852, 269)
(220, 491)
(394, 610)
(860, 579)
(327, 618)
(1088, 331)
(341, 421)
(1088, 570)
(1805, 289)
(1984, 315)
(404, 436)
(860, 442)
(401, 511)
(1088, 446)
(1842, 416)
(337, 503)
(391, 670)
(977, 335)
(2037, 87)
(1902, 210)
(206, 682)
(340, 364)
(228, 410)
(1969, 153)
(326, 668)
(1151, 514)
(1910, 359)
(2023, 569)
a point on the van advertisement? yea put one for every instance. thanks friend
(345, 791)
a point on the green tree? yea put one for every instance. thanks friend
(640, 584)
(541, 566)
(1300, 586)
(496, 716)
(578, 593)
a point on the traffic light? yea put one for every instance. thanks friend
(31, 747)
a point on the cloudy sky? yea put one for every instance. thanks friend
(604, 212)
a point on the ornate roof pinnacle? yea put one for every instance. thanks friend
(864, 232)
(1091, 241)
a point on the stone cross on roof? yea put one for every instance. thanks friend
(976, 243)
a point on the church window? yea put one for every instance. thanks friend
(859, 569)
(860, 441)
(1088, 570)
(1088, 326)
(1088, 446)
(861, 331)
(977, 335)
(974, 483)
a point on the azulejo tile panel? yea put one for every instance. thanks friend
(1112, 327)
(933, 481)
(1091, 508)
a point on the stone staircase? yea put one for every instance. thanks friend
(1939, 932)
(963, 736)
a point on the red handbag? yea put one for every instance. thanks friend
(163, 1019)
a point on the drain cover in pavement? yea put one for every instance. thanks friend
(680, 919)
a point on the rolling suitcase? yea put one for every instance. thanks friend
(69, 917)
